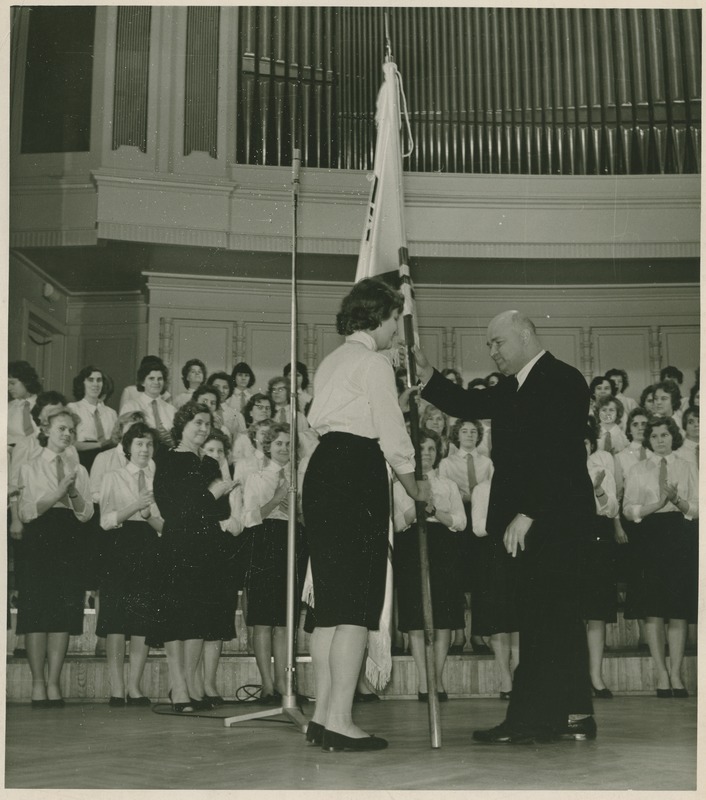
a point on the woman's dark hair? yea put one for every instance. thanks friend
(218, 436)
(275, 430)
(648, 390)
(274, 382)
(184, 415)
(456, 429)
(670, 373)
(241, 366)
(207, 388)
(636, 412)
(432, 436)
(497, 375)
(623, 374)
(256, 398)
(476, 382)
(619, 407)
(368, 304)
(140, 430)
(192, 362)
(153, 365)
(50, 398)
(672, 389)
(221, 376)
(451, 371)
(692, 411)
(597, 381)
(672, 427)
(591, 433)
(301, 369)
(86, 372)
(692, 395)
(26, 374)
(255, 427)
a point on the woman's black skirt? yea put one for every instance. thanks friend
(51, 599)
(346, 512)
(127, 601)
(444, 578)
(599, 595)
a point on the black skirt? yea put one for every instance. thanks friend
(51, 600)
(444, 578)
(599, 595)
(494, 602)
(127, 601)
(346, 507)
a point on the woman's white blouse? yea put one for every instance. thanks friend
(642, 486)
(445, 496)
(259, 489)
(596, 463)
(688, 452)
(354, 392)
(120, 489)
(38, 479)
(143, 402)
(619, 440)
(15, 419)
(86, 429)
(24, 451)
(455, 467)
(625, 460)
(106, 461)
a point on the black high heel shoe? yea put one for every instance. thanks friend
(664, 693)
(181, 708)
(336, 742)
(315, 733)
(602, 694)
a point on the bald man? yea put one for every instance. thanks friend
(541, 499)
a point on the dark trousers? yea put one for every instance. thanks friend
(552, 679)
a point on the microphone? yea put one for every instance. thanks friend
(296, 167)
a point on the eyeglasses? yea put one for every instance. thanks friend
(263, 406)
(280, 389)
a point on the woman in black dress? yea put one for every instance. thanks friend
(192, 571)
(131, 525)
(346, 503)
(55, 499)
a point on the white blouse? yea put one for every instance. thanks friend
(619, 440)
(132, 393)
(596, 463)
(120, 489)
(260, 488)
(455, 467)
(354, 392)
(86, 428)
(642, 486)
(38, 479)
(15, 419)
(24, 451)
(143, 402)
(107, 461)
(688, 452)
(445, 496)
(626, 459)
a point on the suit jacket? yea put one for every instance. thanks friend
(538, 451)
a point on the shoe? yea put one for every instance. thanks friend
(443, 697)
(56, 703)
(664, 693)
(214, 699)
(273, 699)
(423, 697)
(315, 733)
(40, 704)
(180, 708)
(116, 702)
(201, 705)
(602, 694)
(482, 650)
(138, 701)
(456, 650)
(336, 742)
(506, 734)
(19, 652)
(579, 730)
(505, 695)
(680, 693)
(365, 697)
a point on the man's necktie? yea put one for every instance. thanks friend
(60, 475)
(27, 426)
(100, 432)
(141, 488)
(471, 467)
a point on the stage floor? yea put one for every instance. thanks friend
(643, 744)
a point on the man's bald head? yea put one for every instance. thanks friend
(513, 341)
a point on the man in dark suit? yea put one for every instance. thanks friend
(541, 498)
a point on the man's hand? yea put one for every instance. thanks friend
(424, 368)
(515, 534)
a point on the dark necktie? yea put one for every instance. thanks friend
(100, 432)
(157, 418)
(27, 426)
(663, 475)
(608, 444)
(60, 475)
(282, 414)
(471, 467)
(141, 488)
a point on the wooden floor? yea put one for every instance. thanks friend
(643, 744)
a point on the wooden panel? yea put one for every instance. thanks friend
(327, 340)
(211, 341)
(432, 343)
(267, 345)
(623, 348)
(116, 355)
(470, 346)
(680, 348)
(563, 343)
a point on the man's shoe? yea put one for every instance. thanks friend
(579, 730)
(506, 734)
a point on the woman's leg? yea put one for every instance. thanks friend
(138, 659)
(676, 636)
(442, 640)
(57, 645)
(115, 656)
(320, 649)
(654, 634)
(595, 634)
(211, 656)
(262, 644)
(416, 646)
(345, 657)
(279, 650)
(177, 674)
(193, 650)
(36, 646)
(501, 644)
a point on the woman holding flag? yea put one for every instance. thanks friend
(346, 503)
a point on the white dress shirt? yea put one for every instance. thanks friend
(354, 392)
(445, 497)
(143, 402)
(596, 463)
(260, 488)
(625, 460)
(15, 419)
(455, 467)
(687, 451)
(86, 428)
(525, 371)
(132, 393)
(107, 461)
(38, 479)
(24, 451)
(642, 486)
(618, 439)
(120, 489)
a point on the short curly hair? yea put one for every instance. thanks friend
(646, 392)
(49, 415)
(217, 435)
(672, 389)
(692, 411)
(256, 398)
(368, 304)
(301, 369)
(636, 412)
(456, 429)
(79, 387)
(123, 422)
(140, 430)
(255, 427)
(273, 382)
(221, 376)
(184, 415)
(147, 366)
(672, 427)
(192, 362)
(671, 373)
(602, 402)
(207, 388)
(622, 373)
(26, 374)
(242, 367)
(275, 430)
(427, 435)
(50, 398)
(599, 379)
